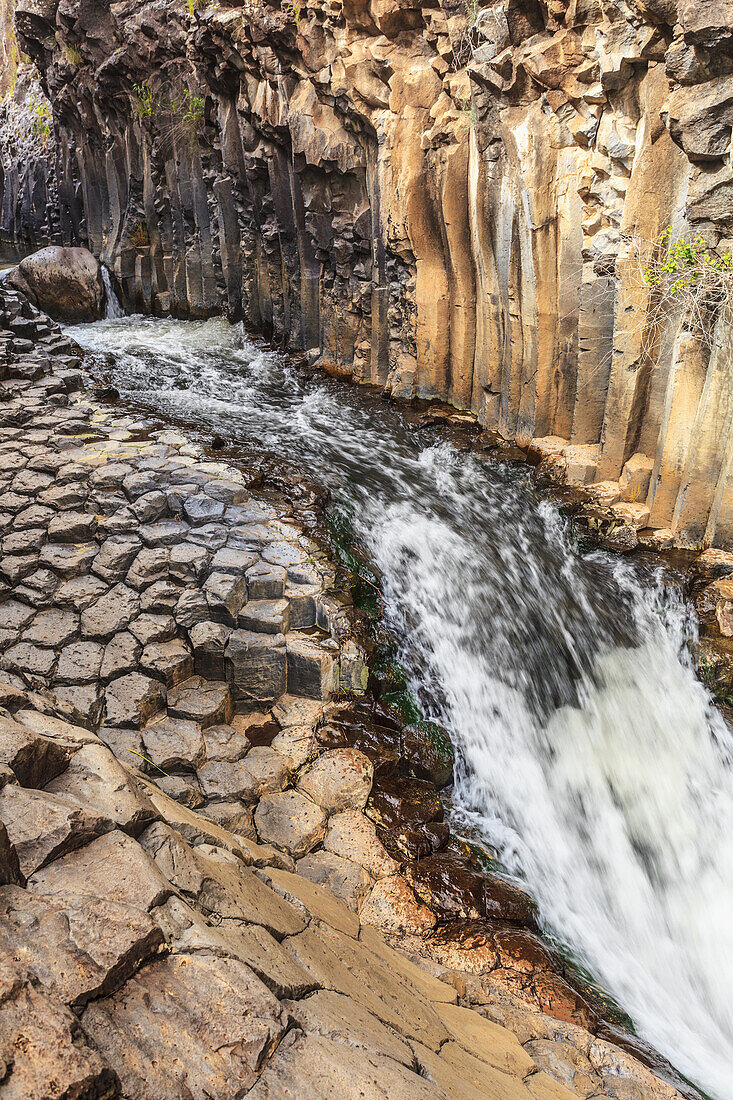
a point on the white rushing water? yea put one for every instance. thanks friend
(112, 308)
(589, 755)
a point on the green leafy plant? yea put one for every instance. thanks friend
(685, 278)
(41, 114)
(294, 9)
(150, 762)
(72, 54)
(190, 109)
(143, 101)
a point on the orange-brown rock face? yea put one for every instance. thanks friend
(444, 200)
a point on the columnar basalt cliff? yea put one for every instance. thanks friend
(440, 199)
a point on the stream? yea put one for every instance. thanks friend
(588, 754)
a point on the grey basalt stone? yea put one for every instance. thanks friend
(256, 666)
(205, 701)
(133, 699)
(226, 594)
(111, 614)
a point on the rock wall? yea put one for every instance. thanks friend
(436, 198)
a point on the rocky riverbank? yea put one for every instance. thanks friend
(173, 649)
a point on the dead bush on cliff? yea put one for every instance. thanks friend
(673, 281)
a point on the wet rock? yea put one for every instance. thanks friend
(418, 841)
(66, 283)
(429, 752)
(555, 997)
(396, 801)
(453, 889)
(291, 821)
(133, 699)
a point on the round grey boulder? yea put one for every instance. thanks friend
(66, 283)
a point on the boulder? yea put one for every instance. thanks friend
(64, 282)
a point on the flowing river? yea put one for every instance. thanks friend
(589, 755)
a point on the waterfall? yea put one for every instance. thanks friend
(589, 755)
(112, 309)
